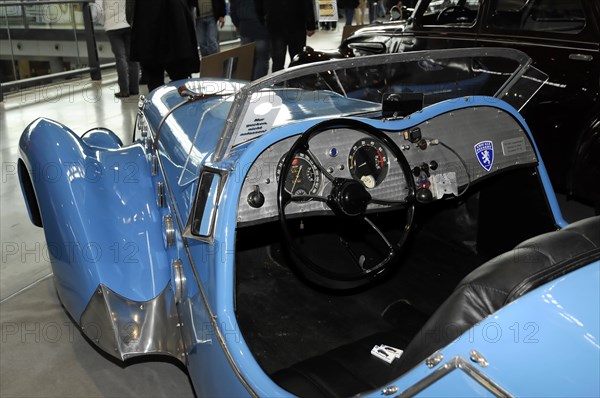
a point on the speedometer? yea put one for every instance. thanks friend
(303, 177)
(368, 162)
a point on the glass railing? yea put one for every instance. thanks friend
(52, 40)
(44, 41)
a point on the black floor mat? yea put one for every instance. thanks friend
(285, 321)
(403, 314)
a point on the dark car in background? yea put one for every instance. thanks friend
(561, 36)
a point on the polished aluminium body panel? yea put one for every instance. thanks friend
(125, 328)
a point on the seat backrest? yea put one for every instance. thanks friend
(501, 280)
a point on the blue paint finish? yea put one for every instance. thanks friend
(101, 139)
(75, 179)
(73, 184)
(221, 283)
(178, 130)
(545, 344)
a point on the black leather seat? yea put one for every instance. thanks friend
(351, 369)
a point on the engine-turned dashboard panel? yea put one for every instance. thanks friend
(446, 154)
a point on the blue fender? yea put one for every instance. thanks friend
(98, 208)
(102, 138)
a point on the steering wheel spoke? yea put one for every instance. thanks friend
(322, 169)
(307, 198)
(368, 252)
(391, 203)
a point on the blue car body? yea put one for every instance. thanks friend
(143, 236)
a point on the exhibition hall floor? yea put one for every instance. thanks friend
(42, 353)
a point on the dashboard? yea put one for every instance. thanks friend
(446, 154)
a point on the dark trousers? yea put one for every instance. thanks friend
(349, 14)
(155, 73)
(261, 56)
(292, 41)
(127, 71)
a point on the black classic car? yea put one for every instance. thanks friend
(561, 36)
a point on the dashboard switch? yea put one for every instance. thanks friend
(413, 135)
(256, 198)
(420, 170)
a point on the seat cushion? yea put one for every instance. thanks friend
(503, 279)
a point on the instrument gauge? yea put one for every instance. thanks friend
(303, 178)
(368, 162)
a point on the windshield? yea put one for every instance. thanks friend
(358, 85)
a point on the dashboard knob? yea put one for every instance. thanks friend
(256, 198)
(424, 195)
(433, 165)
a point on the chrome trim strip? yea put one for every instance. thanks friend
(210, 313)
(169, 226)
(462, 364)
(179, 280)
(187, 230)
(154, 166)
(160, 193)
(529, 43)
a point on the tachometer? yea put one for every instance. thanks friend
(303, 178)
(368, 162)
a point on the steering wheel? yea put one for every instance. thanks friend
(452, 14)
(348, 200)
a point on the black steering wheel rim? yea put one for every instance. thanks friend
(313, 272)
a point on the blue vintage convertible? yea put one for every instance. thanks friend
(376, 226)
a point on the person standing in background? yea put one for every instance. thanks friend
(244, 17)
(117, 23)
(288, 22)
(360, 12)
(372, 10)
(348, 6)
(163, 38)
(208, 14)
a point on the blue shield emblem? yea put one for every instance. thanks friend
(485, 154)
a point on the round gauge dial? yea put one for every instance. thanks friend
(368, 162)
(303, 177)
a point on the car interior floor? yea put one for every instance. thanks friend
(285, 320)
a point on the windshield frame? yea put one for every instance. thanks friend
(243, 97)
